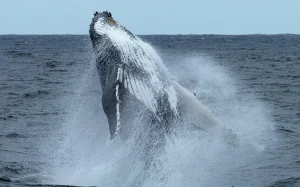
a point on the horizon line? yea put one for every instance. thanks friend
(153, 34)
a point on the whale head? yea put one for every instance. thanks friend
(104, 28)
(101, 24)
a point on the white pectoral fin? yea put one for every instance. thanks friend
(190, 106)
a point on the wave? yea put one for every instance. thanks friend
(14, 135)
(8, 117)
(292, 181)
(15, 53)
(34, 94)
(5, 179)
(58, 70)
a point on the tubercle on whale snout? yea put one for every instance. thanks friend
(104, 14)
(108, 14)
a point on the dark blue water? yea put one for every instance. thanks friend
(52, 127)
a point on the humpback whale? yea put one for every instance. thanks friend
(135, 82)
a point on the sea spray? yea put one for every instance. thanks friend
(188, 158)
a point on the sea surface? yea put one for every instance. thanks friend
(53, 130)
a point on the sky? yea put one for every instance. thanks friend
(153, 16)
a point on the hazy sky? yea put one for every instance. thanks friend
(152, 16)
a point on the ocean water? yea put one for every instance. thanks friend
(53, 130)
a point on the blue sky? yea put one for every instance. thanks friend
(153, 16)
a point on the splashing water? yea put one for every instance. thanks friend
(86, 156)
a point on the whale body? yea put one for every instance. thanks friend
(135, 82)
